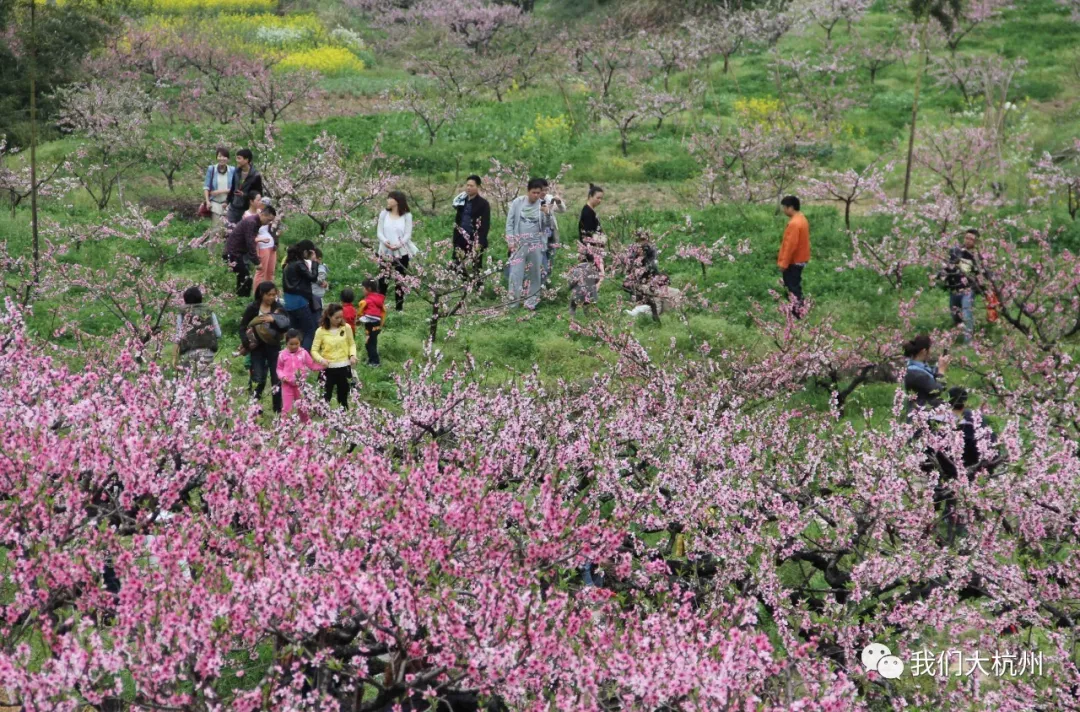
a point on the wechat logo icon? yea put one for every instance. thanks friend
(879, 658)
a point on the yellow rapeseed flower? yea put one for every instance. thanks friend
(325, 60)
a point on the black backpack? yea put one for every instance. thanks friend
(197, 324)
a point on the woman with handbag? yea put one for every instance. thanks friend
(301, 272)
(262, 328)
(216, 185)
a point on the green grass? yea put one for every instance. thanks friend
(653, 185)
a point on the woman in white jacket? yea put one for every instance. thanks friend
(395, 242)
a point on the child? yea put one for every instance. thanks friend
(348, 296)
(335, 348)
(291, 365)
(373, 313)
(318, 290)
(197, 331)
(265, 243)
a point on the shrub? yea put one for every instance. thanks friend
(348, 39)
(184, 7)
(330, 61)
(547, 140)
(670, 169)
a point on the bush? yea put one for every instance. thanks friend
(670, 169)
(329, 61)
(184, 7)
(186, 208)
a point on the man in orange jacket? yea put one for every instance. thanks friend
(794, 250)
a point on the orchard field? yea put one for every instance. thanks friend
(719, 507)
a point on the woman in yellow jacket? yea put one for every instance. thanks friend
(335, 348)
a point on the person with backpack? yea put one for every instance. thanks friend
(262, 328)
(197, 331)
(959, 276)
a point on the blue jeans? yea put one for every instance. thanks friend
(960, 304)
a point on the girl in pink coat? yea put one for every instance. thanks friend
(292, 364)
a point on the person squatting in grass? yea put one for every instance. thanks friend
(197, 331)
(794, 251)
(335, 348)
(293, 364)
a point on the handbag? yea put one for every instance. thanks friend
(204, 210)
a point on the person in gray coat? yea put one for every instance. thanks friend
(530, 228)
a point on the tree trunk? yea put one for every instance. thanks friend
(433, 327)
(725, 64)
(847, 214)
(915, 109)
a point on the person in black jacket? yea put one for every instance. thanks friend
(246, 184)
(471, 224)
(262, 327)
(301, 271)
(959, 275)
(589, 223)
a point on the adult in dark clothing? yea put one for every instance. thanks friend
(925, 381)
(240, 249)
(959, 276)
(589, 223)
(965, 423)
(471, 224)
(246, 184)
(301, 272)
(262, 334)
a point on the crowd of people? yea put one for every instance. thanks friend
(288, 332)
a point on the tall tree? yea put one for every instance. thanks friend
(925, 11)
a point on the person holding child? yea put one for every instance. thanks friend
(292, 365)
(261, 328)
(301, 272)
(372, 316)
(335, 348)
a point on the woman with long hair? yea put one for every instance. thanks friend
(301, 271)
(395, 242)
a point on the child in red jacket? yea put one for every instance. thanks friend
(348, 311)
(372, 314)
